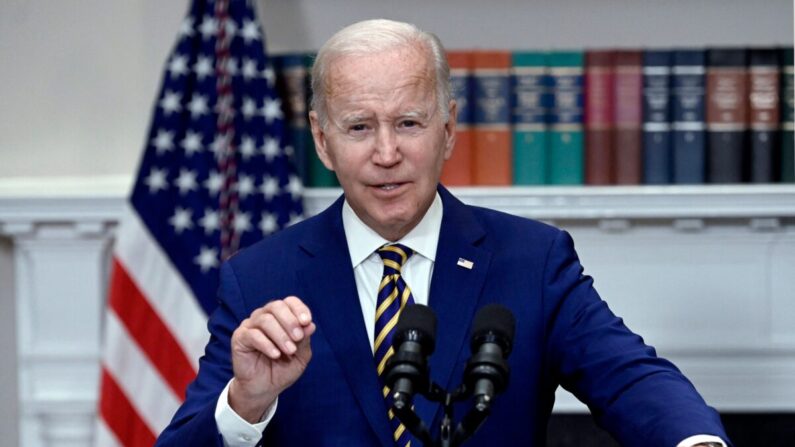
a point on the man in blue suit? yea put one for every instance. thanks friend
(290, 361)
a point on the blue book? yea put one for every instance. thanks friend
(763, 102)
(657, 138)
(689, 117)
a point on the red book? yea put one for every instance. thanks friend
(628, 118)
(493, 160)
(599, 97)
(457, 170)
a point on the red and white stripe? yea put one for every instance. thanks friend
(228, 198)
(155, 332)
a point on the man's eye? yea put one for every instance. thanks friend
(358, 128)
(409, 123)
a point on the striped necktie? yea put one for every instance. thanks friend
(393, 296)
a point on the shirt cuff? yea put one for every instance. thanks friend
(236, 431)
(701, 439)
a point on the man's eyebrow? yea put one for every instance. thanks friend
(354, 118)
(421, 114)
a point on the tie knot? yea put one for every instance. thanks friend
(394, 257)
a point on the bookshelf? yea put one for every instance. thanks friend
(539, 26)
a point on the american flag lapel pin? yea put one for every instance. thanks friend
(466, 263)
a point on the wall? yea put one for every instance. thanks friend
(302, 24)
(79, 80)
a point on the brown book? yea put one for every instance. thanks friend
(457, 170)
(599, 97)
(492, 158)
(727, 115)
(628, 118)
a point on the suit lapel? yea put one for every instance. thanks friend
(455, 290)
(331, 289)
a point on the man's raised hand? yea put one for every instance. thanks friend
(270, 351)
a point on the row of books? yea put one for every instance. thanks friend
(601, 117)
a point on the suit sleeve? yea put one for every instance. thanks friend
(639, 398)
(194, 423)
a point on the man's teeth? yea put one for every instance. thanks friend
(389, 186)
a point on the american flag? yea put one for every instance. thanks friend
(216, 175)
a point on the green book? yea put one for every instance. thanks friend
(787, 118)
(565, 153)
(319, 176)
(291, 74)
(529, 103)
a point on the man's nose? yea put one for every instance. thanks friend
(387, 150)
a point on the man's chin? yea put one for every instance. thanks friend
(392, 224)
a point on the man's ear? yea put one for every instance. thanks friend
(320, 140)
(449, 128)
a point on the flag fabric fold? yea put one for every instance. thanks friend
(216, 175)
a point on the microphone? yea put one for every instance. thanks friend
(487, 371)
(406, 372)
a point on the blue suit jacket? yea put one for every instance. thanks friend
(565, 334)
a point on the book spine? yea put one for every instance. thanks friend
(657, 117)
(457, 171)
(319, 175)
(787, 116)
(763, 101)
(599, 153)
(727, 117)
(529, 103)
(628, 118)
(290, 86)
(492, 117)
(689, 120)
(565, 155)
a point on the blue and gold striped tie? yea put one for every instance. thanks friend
(393, 296)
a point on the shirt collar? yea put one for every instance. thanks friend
(363, 240)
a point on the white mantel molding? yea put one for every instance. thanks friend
(101, 199)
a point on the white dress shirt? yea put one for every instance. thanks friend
(367, 271)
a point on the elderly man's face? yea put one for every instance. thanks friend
(385, 137)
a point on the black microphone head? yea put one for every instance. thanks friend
(493, 323)
(416, 323)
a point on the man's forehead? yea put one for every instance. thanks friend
(402, 66)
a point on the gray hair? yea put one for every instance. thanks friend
(374, 36)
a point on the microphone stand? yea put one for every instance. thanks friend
(448, 437)
(486, 373)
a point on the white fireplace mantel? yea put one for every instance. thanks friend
(705, 273)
